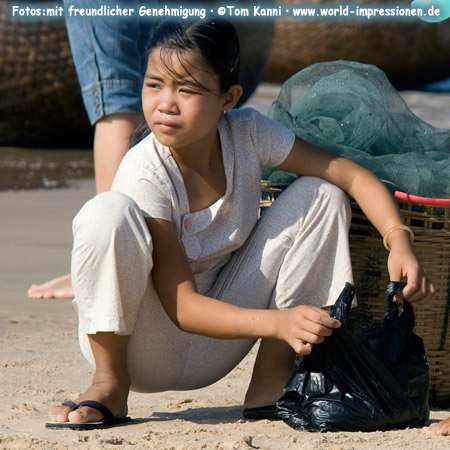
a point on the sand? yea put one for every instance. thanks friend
(40, 362)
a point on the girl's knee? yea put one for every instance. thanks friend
(337, 197)
(336, 200)
(312, 187)
(315, 184)
(103, 213)
(321, 197)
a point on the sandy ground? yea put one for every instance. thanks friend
(40, 363)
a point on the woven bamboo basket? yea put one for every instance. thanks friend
(431, 227)
(40, 102)
(410, 53)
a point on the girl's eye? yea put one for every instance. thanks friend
(153, 86)
(188, 91)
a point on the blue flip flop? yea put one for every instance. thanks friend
(108, 419)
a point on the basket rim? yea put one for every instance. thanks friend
(426, 201)
(441, 202)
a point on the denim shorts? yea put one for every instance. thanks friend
(110, 57)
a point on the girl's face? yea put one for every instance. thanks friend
(177, 109)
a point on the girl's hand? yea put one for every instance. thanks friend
(403, 263)
(303, 326)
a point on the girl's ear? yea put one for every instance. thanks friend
(232, 96)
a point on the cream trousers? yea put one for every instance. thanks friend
(297, 254)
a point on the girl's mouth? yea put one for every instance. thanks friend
(167, 125)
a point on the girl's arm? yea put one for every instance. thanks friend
(376, 202)
(198, 314)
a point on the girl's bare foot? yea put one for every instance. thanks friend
(273, 367)
(438, 429)
(60, 287)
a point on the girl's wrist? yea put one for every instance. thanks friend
(257, 324)
(270, 324)
(277, 325)
(398, 234)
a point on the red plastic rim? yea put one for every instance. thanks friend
(427, 201)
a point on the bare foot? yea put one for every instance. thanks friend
(273, 366)
(109, 393)
(438, 429)
(60, 287)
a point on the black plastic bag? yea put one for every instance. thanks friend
(374, 378)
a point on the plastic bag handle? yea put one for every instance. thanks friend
(341, 308)
(392, 313)
(392, 307)
(343, 304)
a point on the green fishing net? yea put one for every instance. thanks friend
(352, 109)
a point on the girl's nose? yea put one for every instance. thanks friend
(168, 104)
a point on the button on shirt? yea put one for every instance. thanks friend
(148, 173)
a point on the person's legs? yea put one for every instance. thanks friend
(109, 56)
(110, 385)
(297, 254)
(111, 142)
(273, 367)
(111, 259)
(124, 332)
(305, 259)
(114, 292)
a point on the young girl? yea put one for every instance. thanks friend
(175, 276)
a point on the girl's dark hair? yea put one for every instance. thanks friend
(215, 42)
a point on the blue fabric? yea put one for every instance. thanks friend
(110, 57)
(439, 86)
